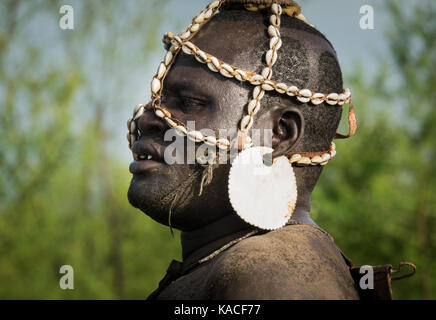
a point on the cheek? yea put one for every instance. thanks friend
(232, 100)
(210, 206)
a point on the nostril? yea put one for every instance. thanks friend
(150, 125)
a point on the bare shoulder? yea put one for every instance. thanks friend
(295, 262)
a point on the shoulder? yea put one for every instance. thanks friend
(295, 262)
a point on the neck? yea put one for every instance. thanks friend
(302, 209)
(202, 241)
(196, 239)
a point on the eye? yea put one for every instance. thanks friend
(181, 101)
(189, 103)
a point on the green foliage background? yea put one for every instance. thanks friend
(63, 191)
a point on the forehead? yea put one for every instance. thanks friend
(241, 41)
(233, 36)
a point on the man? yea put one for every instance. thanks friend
(224, 257)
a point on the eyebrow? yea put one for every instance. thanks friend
(184, 86)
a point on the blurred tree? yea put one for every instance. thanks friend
(414, 50)
(63, 192)
(377, 198)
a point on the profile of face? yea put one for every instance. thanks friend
(191, 92)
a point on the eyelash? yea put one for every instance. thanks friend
(184, 103)
(187, 101)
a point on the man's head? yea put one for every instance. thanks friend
(191, 92)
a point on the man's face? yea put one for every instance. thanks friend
(191, 92)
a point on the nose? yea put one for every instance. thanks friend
(150, 125)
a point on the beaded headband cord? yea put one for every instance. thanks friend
(261, 82)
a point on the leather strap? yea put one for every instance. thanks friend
(410, 264)
(311, 154)
(352, 124)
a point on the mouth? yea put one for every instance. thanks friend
(147, 157)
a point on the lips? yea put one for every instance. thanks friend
(147, 156)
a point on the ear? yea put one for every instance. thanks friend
(287, 131)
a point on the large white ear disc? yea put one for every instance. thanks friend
(264, 196)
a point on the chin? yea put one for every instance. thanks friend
(154, 193)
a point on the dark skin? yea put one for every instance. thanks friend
(193, 93)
